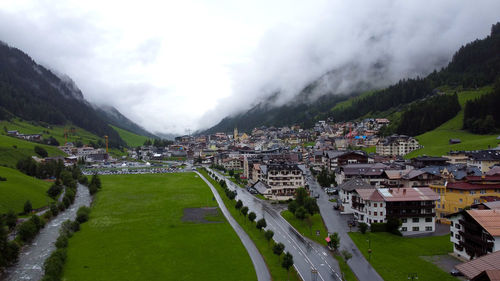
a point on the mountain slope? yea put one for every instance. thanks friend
(32, 92)
(115, 118)
(473, 65)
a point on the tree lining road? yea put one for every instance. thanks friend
(257, 259)
(307, 255)
(337, 223)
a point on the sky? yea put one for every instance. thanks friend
(180, 66)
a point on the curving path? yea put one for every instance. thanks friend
(257, 259)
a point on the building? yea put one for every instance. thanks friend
(455, 196)
(347, 189)
(282, 179)
(397, 145)
(415, 207)
(475, 233)
(484, 159)
(336, 158)
(372, 173)
(485, 268)
(232, 163)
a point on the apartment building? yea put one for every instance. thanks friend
(415, 207)
(397, 145)
(281, 179)
(458, 195)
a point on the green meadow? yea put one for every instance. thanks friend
(13, 149)
(132, 140)
(436, 142)
(136, 231)
(18, 188)
(394, 257)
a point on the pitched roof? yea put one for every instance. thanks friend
(370, 195)
(476, 266)
(488, 219)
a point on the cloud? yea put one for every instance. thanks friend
(172, 66)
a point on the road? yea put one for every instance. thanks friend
(307, 255)
(335, 222)
(257, 259)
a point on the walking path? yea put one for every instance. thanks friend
(257, 259)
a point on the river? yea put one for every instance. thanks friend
(32, 256)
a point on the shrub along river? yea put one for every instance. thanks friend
(33, 255)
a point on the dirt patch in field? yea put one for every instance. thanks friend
(202, 215)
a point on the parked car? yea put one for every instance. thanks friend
(455, 272)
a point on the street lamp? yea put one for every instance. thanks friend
(369, 249)
(412, 276)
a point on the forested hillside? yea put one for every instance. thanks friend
(474, 65)
(30, 91)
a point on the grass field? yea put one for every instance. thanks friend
(136, 232)
(18, 188)
(436, 143)
(132, 140)
(394, 257)
(13, 149)
(277, 272)
(303, 226)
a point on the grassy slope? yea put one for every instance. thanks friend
(394, 257)
(136, 233)
(9, 155)
(132, 140)
(435, 142)
(265, 249)
(18, 188)
(26, 127)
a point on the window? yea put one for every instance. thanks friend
(428, 219)
(439, 206)
(415, 219)
(381, 204)
(404, 228)
(375, 213)
(451, 223)
(461, 200)
(457, 236)
(428, 228)
(375, 205)
(472, 192)
(370, 213)
(403, 220)
(415, 228)
(457, 226)
(451, 233)
(483, 191)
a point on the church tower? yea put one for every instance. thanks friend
(235, 135)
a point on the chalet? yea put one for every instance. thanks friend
(475, 233)
(424, 161)
(346, 191)
(282, 179)
(372, 173)
(415, 207)
(335, 158)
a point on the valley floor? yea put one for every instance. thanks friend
(156, 227)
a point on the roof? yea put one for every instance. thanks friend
(364, 169)
(492, 275)
(353, 184)
(470, 186)
(260, 187)
(476, 266)
(370, 195)
(394, 174)
(492, 204)
(488, 219)
(408, 194)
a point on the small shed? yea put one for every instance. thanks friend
(455, 141)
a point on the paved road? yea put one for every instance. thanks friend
(338, 223)
(257, 259)
(307, 255)
(32, 257)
